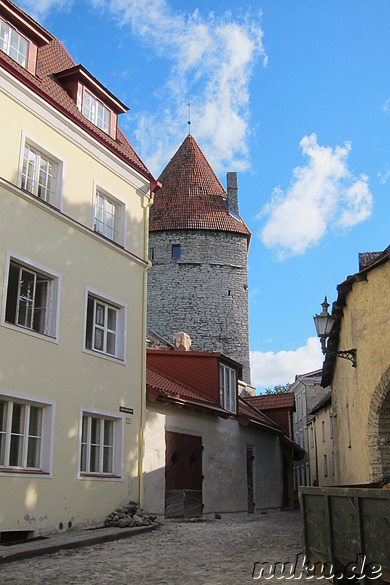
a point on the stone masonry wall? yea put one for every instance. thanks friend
(204, 292)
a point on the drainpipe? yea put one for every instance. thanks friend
(154, 187)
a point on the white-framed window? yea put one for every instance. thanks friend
(25, 435)
(31, 298)
(105, 326)
(108, 216)
(311, 435)
(13, 44)
(40, 172)
(101, 439)
(96, 112)
(228, 388)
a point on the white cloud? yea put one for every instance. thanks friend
(39, 9)
(383, 177)
(269, 368)
(386, 105)
(322, 193)
(210, 61)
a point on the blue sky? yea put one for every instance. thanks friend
(295, 97)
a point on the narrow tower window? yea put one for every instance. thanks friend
(176, 251)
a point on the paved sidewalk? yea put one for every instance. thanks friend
(216, 552)
(72, 539)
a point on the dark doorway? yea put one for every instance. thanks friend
(249, 476)
(183, 475)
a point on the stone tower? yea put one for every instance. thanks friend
(198, 247)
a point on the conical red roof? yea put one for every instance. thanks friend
(191, 196)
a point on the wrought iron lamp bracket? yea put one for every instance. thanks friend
(348, 354)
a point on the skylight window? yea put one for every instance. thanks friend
(96, 112)
(13, 44)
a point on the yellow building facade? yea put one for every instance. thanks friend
(74, 200)
(361, 394)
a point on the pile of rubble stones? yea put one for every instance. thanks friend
(130, 515)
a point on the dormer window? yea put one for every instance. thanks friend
(228, 388)
(93, 100)
(13, 44)
(96, 112)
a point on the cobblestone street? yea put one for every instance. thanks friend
(213, 552)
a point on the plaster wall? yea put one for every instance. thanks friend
(364, 327)
(324, 446)
(223, 463)
(85, 163)
(60, 371)
(63, 372)
(308, 392)
(204, 292)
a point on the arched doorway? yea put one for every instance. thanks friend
(379, 431)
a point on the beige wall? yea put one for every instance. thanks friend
(323, 424)
(85, 162)
(60, 372)
(223, 461)
(364, 327)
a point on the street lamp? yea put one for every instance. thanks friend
(324, 323)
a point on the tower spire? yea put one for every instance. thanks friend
(189, 118)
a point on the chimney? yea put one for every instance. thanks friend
(232, 193)
(182, 341)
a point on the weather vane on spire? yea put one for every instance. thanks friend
(189, 118)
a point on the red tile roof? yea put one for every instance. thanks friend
(160, 387)
(53, 58)
(271, 401)
(249, 413)
(192, 196)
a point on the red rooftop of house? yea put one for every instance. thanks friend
(271, 401)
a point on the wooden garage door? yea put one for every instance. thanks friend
(183, 475)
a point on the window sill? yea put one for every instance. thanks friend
(104, 476)
(105, 356)
(21, 471)
(31, 332)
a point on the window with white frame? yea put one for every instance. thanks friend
(228, 388)
(104, 327)
(25, 435)
(40, 174)
(100, 447)
(311, 435)
(107, 219)
(32, 298)
(96, 112)
(13, 44)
